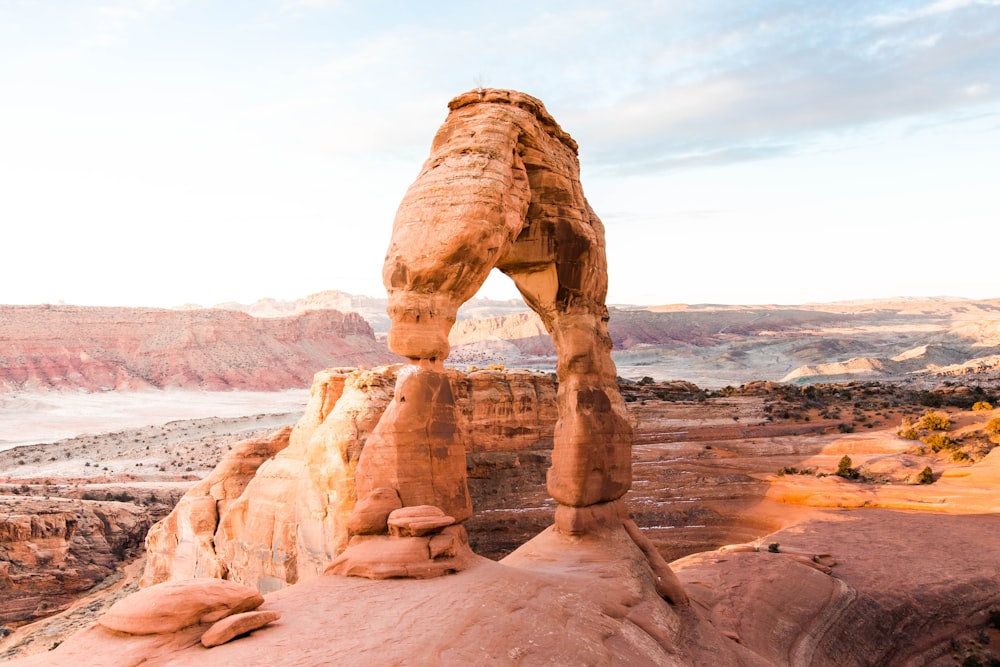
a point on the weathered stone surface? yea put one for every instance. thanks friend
(172, 605)
(53, 550)
(182, 546)
(418, 520)
(416, 447)
(238, 624)
(371, 513)
(291, 521)
(501, 189)
(294, 516)
(100, 349)
(393, 557)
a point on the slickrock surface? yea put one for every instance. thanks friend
(101, 349)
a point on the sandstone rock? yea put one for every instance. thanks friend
(238, 624)
(172, 605)
(501, 189)
(53, 550)
(97, 349)
(182, 546)
(294, 516)
(291, 521)
(416, 447)
(371, 513)
(392, 557)
(418, 520)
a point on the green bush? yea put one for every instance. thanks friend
(982, 405)
(959, 456)
(926, 476)
(993, 426)
(932, 421)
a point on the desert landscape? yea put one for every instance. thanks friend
(682, 485)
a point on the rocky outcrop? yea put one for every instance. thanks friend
(277, 511)
(100, 349)
(501, 189)
(183, 544)
(53, 550)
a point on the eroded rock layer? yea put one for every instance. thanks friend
(277, 511)
(50, 553)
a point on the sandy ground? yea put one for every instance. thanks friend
(40, 418)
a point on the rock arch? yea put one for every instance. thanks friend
(501, 189)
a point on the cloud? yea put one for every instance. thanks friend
(768, 85)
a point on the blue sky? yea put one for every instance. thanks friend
(159, 152)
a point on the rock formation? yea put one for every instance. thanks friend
(501, 189)
(51, 552)
(277, 511)
(101, 349)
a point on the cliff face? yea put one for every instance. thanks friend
(290, 520)
(49, 554)
(100, 349)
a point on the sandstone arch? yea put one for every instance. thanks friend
(501, 189)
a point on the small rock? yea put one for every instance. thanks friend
(236, 625)
(417, 521)
(173, 605)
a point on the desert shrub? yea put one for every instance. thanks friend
(982, 405)
(995, 618)
(907, 430)
(938, 442)
(926, 476)
(958, 456)
(932, 421)
(845, 470)
(993, 426)
(845, 428)
(773, 547)
(792, 470)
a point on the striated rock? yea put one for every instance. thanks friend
(292, 519)
(298, 509)
(371, 513)
(409, 553)
(182, 546)
(501, 189)
(99, 349)
(238, 624)
(172, 605)
(417, 521)
(53, 550)
(416, 448)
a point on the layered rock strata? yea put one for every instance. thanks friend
(501, 189)
(51, 551)
(280, 510)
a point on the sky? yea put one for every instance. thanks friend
(168, 152)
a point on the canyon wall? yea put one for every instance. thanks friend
(51, 552)
(102, 349)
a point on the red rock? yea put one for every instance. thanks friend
(97, 349)
(371, 513)
(501, 189)
(418, 521)
(238, 624)
(416, 448)
(172, 605)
